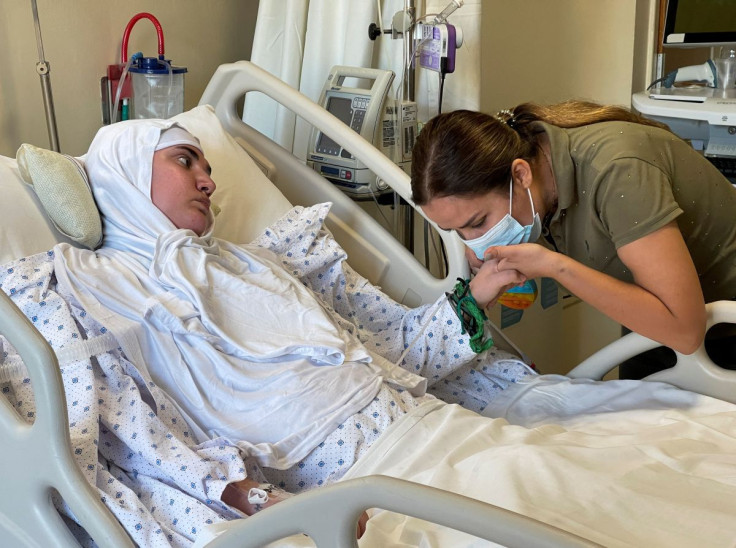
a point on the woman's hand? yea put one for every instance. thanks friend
(489, 282)
(531, 260)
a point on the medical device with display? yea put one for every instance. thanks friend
(698, 23)
(437, 46)
(705, 115)
(360, 106)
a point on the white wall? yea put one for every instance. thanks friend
(82, 37)
(545, 51)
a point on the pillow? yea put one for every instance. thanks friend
(248, 200)
(25, 228)
(61, 185)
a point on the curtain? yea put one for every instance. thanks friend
(300, 40)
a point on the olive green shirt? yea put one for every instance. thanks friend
(619, 181)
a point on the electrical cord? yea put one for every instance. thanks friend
(445, 266)
(390, 225)
(426, 243)
(443, 72)
(668, 80)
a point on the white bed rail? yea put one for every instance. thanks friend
(329, 516)
(37, 458)
(695, 372)
(227, 87)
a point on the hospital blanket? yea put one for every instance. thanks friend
(635, 464)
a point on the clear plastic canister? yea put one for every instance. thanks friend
(726, 69)
(158, 88)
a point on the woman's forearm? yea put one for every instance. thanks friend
(679, 325)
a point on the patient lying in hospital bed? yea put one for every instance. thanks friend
(562, 474)
(226, 338)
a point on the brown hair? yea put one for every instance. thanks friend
(463, 152)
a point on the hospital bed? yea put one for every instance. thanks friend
(37, 458)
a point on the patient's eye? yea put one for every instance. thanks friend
(184, 160)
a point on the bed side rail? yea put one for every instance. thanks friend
(37, 458)
(329, 516)
(228, 85)
(695, 372)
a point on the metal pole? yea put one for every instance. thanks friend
(43, 68)
(409, 81)
(408, 95)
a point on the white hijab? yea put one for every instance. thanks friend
(235, 340)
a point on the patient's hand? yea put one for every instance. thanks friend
(362, 523)
(236, 495)
(474, 262)
(489, 283)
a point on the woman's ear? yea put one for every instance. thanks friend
(521, 171)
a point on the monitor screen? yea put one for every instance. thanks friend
(695, 23)
(341, 107)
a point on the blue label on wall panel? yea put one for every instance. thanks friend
(510, 316)
(549, 293)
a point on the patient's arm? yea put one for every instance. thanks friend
(427, 340)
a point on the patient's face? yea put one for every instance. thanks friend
(181, 186)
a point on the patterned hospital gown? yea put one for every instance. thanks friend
(131, 443)
(426, 340)
(127, 439)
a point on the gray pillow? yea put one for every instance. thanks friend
(62, 187)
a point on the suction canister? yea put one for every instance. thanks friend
(158, 88)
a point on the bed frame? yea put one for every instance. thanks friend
(37, 459)
(374, 252)
(695, 372)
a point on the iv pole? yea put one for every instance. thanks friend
(43, 68)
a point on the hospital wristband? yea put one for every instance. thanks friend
(472, 318)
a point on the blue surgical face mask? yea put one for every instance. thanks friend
(508, 231)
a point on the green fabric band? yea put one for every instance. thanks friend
(472, 318)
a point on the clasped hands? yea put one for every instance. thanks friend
(503, 268)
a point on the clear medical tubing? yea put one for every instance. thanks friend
(120, 85)
(129, 28)
(171, 72)
(445, 13)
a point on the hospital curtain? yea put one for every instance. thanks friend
(299, 40)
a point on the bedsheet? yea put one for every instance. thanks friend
(637, 464)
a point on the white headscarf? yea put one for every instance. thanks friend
(224, 330)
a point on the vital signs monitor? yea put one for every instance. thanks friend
(360, 106)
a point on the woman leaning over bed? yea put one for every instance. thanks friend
(635, 222)
(302, 379)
